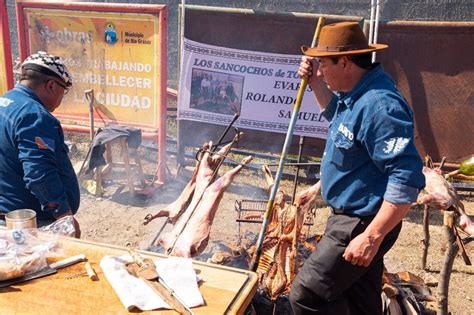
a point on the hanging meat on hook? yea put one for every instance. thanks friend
(440, 194)
(203, 179)
(205, 173)
(175, 209)
(195, 236)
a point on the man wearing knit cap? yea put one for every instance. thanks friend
(35, 170)
(371, 172)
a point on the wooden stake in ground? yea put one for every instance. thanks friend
(450, 254)
(426, 235)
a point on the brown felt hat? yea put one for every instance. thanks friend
(344, 38)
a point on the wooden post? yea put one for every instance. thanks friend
(449, 256)
(426, 235)
(126, 160)
(98, 181)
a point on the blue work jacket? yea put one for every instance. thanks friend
(34, 165)
(370, 153)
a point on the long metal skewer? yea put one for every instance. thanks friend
(297, 174)
(284, 153)
(219, 141)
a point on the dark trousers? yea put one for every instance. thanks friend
(327, 284)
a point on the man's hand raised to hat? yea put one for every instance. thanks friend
(308, 69)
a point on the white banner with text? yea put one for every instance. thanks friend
(217, 82)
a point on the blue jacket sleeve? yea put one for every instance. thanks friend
(40, 143)
(390, 144)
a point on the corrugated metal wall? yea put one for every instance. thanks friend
(390, 10)
(432, 63)
(433, 67)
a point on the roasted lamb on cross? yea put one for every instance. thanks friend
(279, 262)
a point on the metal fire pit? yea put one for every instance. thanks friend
(262, 305)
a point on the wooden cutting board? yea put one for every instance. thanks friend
(225, 290)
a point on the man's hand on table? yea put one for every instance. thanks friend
(77, 227)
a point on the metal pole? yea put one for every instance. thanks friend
(90, 97)
(376, 28)
(180, 145)
(284, 153)
(296, 164)
(371, 23)
(183, 9)
(297, 175)
(236, 116)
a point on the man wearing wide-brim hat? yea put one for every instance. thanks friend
(371, 173)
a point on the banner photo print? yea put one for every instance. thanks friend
(217, 82)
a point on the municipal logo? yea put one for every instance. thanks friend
(110, 34)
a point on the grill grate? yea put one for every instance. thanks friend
(252, 211)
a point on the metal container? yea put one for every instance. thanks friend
(21, 219)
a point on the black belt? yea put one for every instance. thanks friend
(337, 211)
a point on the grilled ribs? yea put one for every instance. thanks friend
(279, 262)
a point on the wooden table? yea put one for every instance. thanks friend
(225, 290)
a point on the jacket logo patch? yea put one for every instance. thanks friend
(395, 145)
(4, 102)
(346, 132)
(44, 143)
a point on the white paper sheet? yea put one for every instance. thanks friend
(176, 272)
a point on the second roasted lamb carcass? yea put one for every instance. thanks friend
(174, 210)
(440, 194)
(190, 235)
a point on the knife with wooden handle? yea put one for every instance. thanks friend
(68, 261)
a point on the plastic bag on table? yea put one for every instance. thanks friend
(23, 252)
(64, 227)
